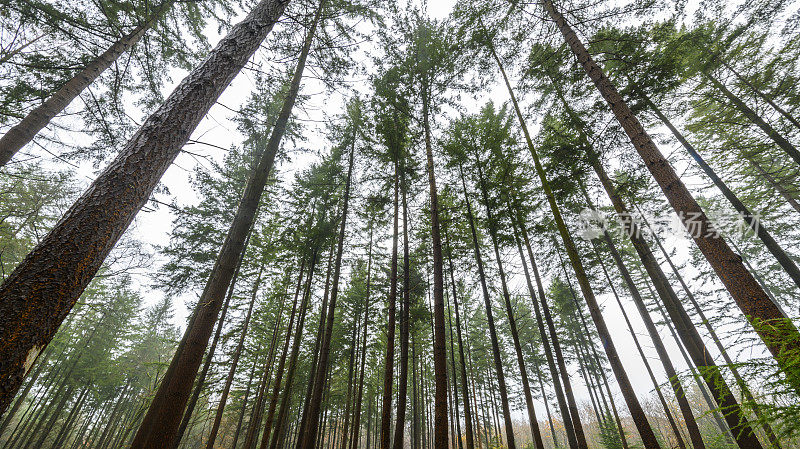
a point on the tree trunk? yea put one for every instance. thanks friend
(498, 363)
(752, 221)
(464, 387)
(688, 333)
(776, 331)
(201, 379)
(298, 340)
(40, 292)
(388, 370)
(751, 115)
(402, 387)
(23, 132)
(661, 350)
(533, 421)
(439, 345)
(789, 196)
(360, 395)
(568, 409)
(308, 441)
(234, 363)
(244, 403)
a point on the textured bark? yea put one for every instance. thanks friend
(761, 231)
(700, 355)
(402, 387)
(751, 115)
(308, 440)
(776, 331)
(23, 132)
(388, 366)
(201, 379)
(234, 362)
(512, 322)
(498, 363)
(565, 409)
(469, 436)
(40, 292)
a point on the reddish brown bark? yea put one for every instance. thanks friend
(40, 292)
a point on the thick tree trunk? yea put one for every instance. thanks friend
(512, 322)
(751, 115)
(738, 423)
(40, 292)
(402, 387)
(308, 441)
(752, 221)
(776, 331)
(234, 362)
(388, 366)
(498, 363)
(171, 395)
(23, 132)
(201, 379)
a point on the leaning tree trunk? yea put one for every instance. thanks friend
(234, 363)
(738, 423)
(23, 132)
(751, 115)
(360, 395)
(388, 367)
(635, 408)
(40, 292)
(498, 363)
(308, 440)
(512, 322)
(564, 408)
(159, 423)
(752, 221)
(402, 387)
(776, 331)
(470, 438)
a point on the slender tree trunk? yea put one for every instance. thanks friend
(775, 184)
(242, 411)
(766, 98)
(40, 292)
(469, 437)
(388, 370)
(498, 363)
(738, 423)
(360, 394)
(751, 115)
(234, 362)
(113, 416)
(752, 221)
(308, 441)
(663, 355)
(773, 439)
(23, 132)
(402, 387)
(533, 421)
(568, 408)
(439, 345)
(276, 388)
(776, 331)
(298, 340)
(350, 386)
